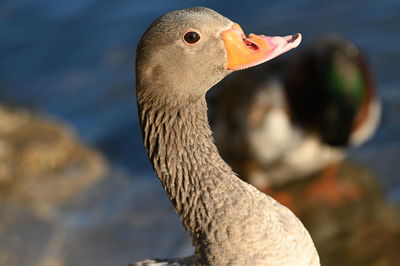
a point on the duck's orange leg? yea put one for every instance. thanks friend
(329, 189)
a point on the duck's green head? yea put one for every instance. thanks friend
(331, 86)
(345, 81)
(344, 72)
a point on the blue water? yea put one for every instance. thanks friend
(75, 60)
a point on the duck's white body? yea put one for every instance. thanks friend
(285, 150)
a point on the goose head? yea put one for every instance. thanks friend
(185, 52)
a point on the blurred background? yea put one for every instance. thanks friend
(84, 192)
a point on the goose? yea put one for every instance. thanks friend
(287, 120)
(179, 58)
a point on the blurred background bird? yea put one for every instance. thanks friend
(297, 116)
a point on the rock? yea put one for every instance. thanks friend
(61, 205)
(42, 162)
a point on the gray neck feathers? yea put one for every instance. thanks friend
(225, 216)
(180, 146)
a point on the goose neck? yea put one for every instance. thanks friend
(180, 146)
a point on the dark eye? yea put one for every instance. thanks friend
(191, 37)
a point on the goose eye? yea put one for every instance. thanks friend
(191, 37)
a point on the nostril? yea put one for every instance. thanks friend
(250, 44)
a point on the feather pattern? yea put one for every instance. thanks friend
(231, 222)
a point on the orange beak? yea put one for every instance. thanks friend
(245, 52)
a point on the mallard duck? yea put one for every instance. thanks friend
(283, 121)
